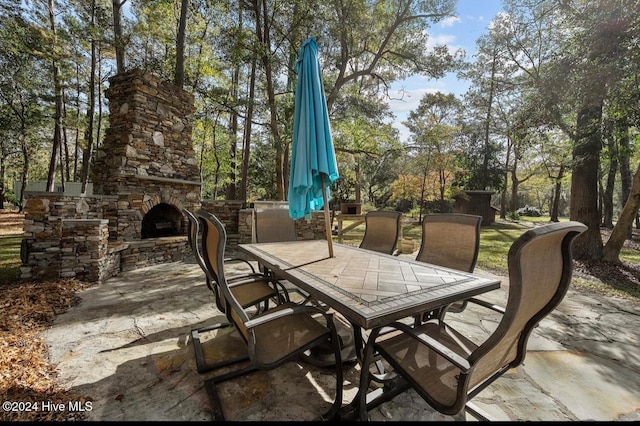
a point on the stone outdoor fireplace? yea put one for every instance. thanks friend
(147, 158)
(145, 173)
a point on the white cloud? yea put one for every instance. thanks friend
(440, 39)
(450, 22)
(403, 102)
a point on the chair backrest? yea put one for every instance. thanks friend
(382, 229)
(193, 237)
(540, 267)
(451, 240)
(214, 240)
(274, 225)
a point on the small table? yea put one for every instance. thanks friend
(368, 288)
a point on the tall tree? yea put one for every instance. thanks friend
(91, 103)
(178, 77)
(118, 38)
(23, 84)
(57, 84)
(433, 134)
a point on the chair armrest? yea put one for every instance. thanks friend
(239, 259)
(457, 360)
(247, 279)
(296, 309)
(488, 305)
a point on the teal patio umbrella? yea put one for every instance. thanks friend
(313, 160)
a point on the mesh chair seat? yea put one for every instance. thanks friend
(283, 337)
(429, 371)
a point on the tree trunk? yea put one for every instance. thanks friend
(2, 172)
(57, 131)
(505, 184)
(611, 251)
(555, 207)
(607, 195)
(117, 35)
(515, 183)
(584, 183)
(358, 184)
(182, 32)
(262, 30)
(246, 149)
(622, 129)
(91, 102)
(25, 168)
(231, 193)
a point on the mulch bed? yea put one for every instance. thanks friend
(26, 377)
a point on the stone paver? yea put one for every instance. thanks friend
(127, 346)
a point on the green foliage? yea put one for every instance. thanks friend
(10, 197)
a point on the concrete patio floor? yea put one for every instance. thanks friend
(127, 346)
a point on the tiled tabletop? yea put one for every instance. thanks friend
(370, 289)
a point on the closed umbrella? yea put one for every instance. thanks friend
(313, 159)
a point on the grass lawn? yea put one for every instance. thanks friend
(9, 257)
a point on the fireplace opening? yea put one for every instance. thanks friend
(163, 220)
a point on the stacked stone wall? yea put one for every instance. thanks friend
(149, 133)
(68, 236)
(83, 249)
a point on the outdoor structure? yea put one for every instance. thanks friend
(145, 174)
(476, 203)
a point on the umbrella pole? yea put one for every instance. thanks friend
(327, 221)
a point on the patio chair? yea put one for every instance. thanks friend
(252, 288)
(273, 337)
(193, 237)
(274, 225)
(382, 229)
(451, 240)
(446, 368)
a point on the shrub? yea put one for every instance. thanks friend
(529, 211)
(513, 215)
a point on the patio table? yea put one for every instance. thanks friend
(369, 289)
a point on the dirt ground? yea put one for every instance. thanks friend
(10, 222)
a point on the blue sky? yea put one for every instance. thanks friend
(473, 19)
